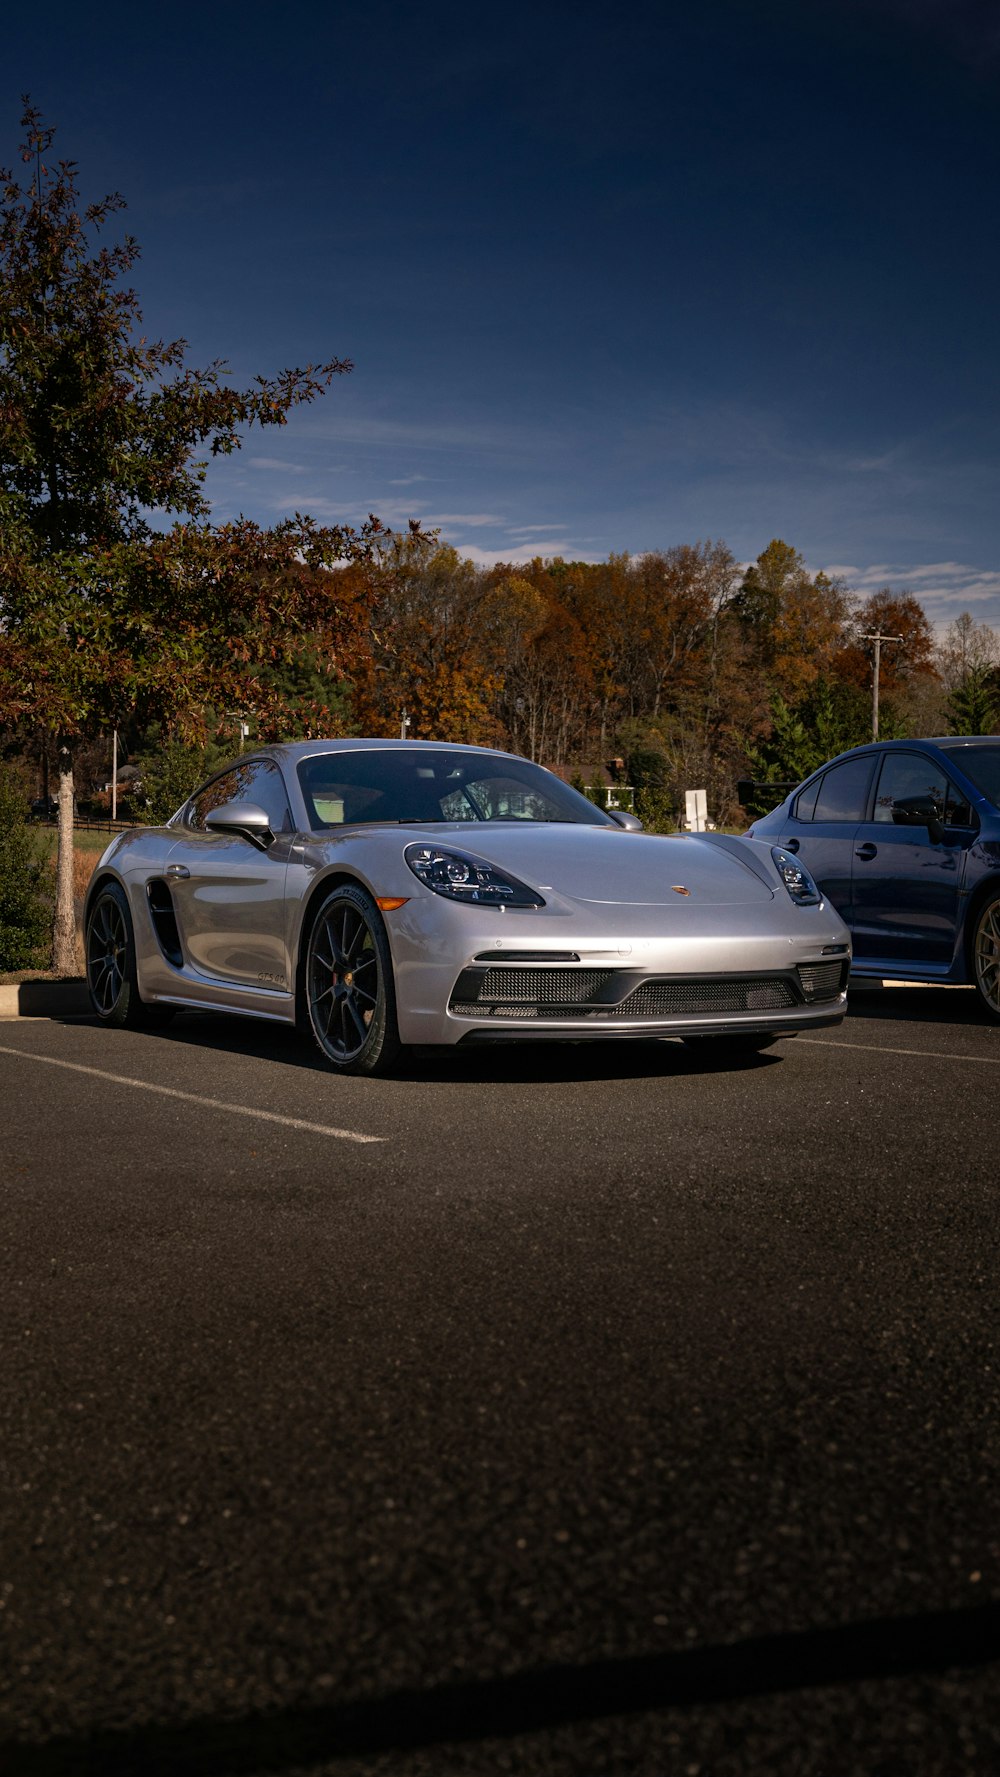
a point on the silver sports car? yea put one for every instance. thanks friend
(385, 893)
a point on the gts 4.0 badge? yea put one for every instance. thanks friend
(272, 980)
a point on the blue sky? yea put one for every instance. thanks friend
(613, 277)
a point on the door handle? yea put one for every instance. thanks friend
(789, 844)
(177, 872)
(866, 852)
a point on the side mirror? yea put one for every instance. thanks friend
(246, 819)
(622, 818)
(920, 811)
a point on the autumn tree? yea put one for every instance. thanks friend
(969, 663)
(100, 426)
(968, 647)
(794, 622)
(426, 653)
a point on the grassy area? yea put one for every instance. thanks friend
(82, 842)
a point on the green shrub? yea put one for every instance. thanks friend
(655, 806)
(25, 886)
(170, 771)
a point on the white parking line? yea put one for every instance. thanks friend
(881, 1049)
(212, 1104)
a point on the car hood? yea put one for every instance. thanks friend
(608, 865)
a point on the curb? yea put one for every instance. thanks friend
(44, 999)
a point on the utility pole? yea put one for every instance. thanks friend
(878, 638)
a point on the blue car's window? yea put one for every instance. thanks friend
(414, 784)
(805, 807)
(958, 811)
(982, 765)
(843, 791)
(904, 775)
(913, 774)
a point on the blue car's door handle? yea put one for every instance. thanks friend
(867, 851)
(790, 845)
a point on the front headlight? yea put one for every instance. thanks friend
(796, 878)
(460, 877)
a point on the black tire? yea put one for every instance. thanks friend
(984, 957)
(735, 1045)
(111, 972)
(350, 996)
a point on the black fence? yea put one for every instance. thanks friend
(752, 794)
(85, 824)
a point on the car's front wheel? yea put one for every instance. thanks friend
(111, 970)
(348, 982)
(985, 957)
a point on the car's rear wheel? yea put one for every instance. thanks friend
(349, 989)
(985, 957)
(111, 970)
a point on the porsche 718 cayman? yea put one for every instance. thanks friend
(386, 893)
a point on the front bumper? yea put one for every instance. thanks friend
(475, 976)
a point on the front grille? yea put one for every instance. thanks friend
(528, 993)
(665, 999)
(823, 981)
(543, 987)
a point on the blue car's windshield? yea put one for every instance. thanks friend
(421, 784)
(982, 766)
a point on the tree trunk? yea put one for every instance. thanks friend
(65, 954)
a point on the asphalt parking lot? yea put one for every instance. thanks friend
(551, 1410)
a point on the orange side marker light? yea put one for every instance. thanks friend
(389, 903)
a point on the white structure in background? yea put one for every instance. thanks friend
(695, 811)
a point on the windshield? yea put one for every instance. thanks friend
(401, 784)
(982, 766)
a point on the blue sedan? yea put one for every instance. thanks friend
(904, 838)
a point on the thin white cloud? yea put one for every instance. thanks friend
(523, 553)
(464, 518)
(944, 588)
(531, 530)
(277, 463)
(407, 480)
(431, 435)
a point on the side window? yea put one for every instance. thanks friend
(257, 781)
(265, 786)
(904, 775)
(805, 807)
(843, 791)
(958, 811)
(215, 795)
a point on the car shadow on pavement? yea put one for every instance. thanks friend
(916, 1005)
(531, 1062)
(528, 1702)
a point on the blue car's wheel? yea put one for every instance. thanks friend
(350, 998)
(985, 957)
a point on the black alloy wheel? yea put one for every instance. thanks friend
(985, 957)
(350, 995)
(111, 971)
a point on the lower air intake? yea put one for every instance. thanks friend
(542, 987)
(666, 999)
(823, 981)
